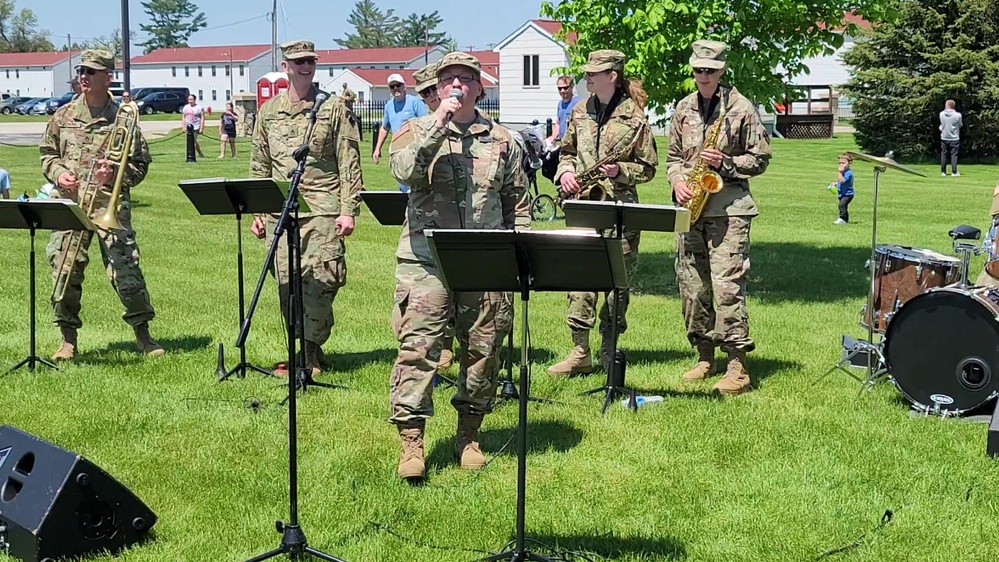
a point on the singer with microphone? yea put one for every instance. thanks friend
(465, 172)
(331, 185)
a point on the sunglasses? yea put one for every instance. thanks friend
(88, 71)
(561, 88)
(708, 71)
(396, 86)
(431, 91)
(305, 61)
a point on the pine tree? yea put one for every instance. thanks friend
(373, 27)
(173, 23)
(419, 30)
(906, 69)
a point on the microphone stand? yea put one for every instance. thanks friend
(293, 541)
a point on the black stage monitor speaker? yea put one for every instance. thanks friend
(993, 438)
(55, 504)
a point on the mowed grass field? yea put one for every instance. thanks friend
(792, 471)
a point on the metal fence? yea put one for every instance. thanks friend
(370, 114)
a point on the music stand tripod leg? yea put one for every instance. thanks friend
(32, 357)
(243, 365)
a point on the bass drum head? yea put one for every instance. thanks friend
(942, 347)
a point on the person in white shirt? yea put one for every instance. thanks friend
(194, 116)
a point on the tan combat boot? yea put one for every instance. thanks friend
(705, 366)
(578, 362)
(314, 357)
(411, 464)
(67, 348)
(466, 442)
(145, 342)
(736, 379)
(447, 357)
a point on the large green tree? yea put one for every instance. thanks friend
(418, 30)
(172, 22)
(19, 31)
(905, 70)
(372, 27)
(656, 36)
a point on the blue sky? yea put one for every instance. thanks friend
(471, 22)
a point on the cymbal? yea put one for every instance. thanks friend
(886, 161)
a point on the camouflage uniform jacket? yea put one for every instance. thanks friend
(331, 183)
(585, 142)
(471, 180)
(74, 137)
(742, 139)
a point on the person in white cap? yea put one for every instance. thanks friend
(401, 108)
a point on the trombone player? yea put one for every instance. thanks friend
(75, 159)
(607, 150)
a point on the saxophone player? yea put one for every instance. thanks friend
(72, 139)
(712, 259)
(610, 122)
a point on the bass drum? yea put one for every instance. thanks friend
(942, 349)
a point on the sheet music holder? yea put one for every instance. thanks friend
(525, 261)
(388, 207)
(222, 196)
(34, 214)
(620, 216)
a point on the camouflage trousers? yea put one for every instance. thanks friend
(986, 280)
(324, 272)
(583, 306)
(712, 262)
(419, 318)
(120, 255)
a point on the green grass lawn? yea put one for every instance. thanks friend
(14, 118)
(788, 472)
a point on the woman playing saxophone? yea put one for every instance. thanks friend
(715, 134)
(607, 150)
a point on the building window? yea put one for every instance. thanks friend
(531, 71)
(173, 71)
(241, 70)
(187, 71)
(228, 94)
(17, 73)
(215, 95)
(199, 70)
(213, 70)
(241, 90)
(227, 70)
(331, 71)
(201, 95)
(8, 73)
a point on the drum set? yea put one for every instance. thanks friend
(939, 336)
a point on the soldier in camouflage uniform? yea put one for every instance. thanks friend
(331, 186)
(610, 122)
(73, 138)
(712, 259)
(348, 96)
(465, 173)
(984, 279)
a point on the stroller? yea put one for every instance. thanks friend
(538, 157)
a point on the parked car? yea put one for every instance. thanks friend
(165, 102)
(56, 103)
(9, 105)
(25, 107)
(42, 107)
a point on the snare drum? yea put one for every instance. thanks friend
(901, 273)
(942, 349)
(991, 247)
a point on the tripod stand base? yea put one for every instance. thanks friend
(305, 380)
(30, 362)
(240, 369)
(612, 393)
(516, 556)
(445, 381)
(874, 373)
(508, 393)
(293, 544)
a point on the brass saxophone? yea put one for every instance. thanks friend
(117, 148)
(703, 181)
(589, 180)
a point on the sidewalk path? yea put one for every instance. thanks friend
(31, 133)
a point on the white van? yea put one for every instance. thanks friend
(117, 88)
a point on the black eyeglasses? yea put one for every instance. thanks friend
(396, 86)
(708, 71)
(463, 78)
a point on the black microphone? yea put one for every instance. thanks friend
(320, 99)
(456, 94)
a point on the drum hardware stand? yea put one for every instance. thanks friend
(293, 541)
(964, 232)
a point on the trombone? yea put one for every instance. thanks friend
(118, 149)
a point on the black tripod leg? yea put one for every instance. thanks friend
(267, 555)
(322, 555)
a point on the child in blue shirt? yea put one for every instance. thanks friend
(844, 187)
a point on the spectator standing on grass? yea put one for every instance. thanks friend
(950, 137)
(4, 184)
(194, 117)
(401, 108)
(844, 188)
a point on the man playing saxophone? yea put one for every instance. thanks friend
(712, 259)
(74, 158)
(607, 150)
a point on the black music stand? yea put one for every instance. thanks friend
(32, 214)
(221, 196)
(525, 261)
(389, 208)
(616, 215)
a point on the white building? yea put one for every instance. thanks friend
(37, 75)
(332, 61)
(371, 84)
(528, 58)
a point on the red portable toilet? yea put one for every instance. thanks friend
(270, 85)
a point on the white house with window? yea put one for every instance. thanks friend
(37, 75)
(371, 84)
(333, 61)
(528, 58)
(211, 73)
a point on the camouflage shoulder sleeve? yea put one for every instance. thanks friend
(674, 144)
(260, 151)
(641, 166)
(513, 193)
(348, 158)
(411, 165)
(567, 161)
(52, 164)
(139, 160)
(756, 144)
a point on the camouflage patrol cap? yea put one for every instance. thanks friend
(456, 58)
(708, 54)
(98, 59)
(292, 50)
(602, 60)
(425, 77)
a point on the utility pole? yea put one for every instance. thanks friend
(126, 63)
(69, 47)
(274, 57)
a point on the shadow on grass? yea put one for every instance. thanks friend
(542, 436)
(353, 361)
(779, 272)
(607, 546)
(127, 351)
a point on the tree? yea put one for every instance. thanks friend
(763, 35)
(419, 30)
(373, 27)
(172, 23)
(905, 71)
(18, 31)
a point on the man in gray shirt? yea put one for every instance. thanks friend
(950, 138)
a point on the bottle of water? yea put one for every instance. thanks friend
(642, 400)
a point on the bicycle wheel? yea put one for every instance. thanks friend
(543, 208)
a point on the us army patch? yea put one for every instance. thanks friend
(402, 138)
